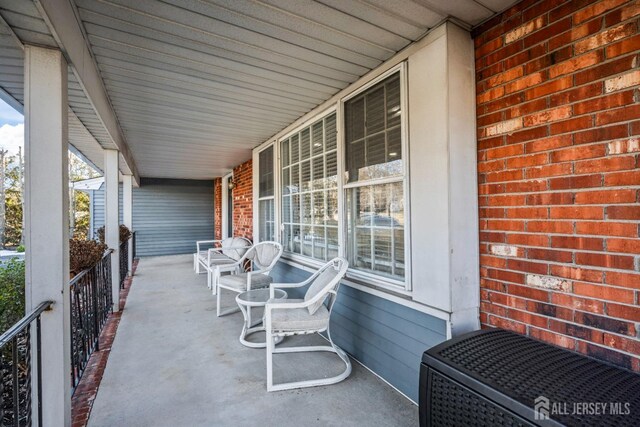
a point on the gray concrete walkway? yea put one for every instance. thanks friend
(174, 363)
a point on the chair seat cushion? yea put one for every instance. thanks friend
(239, 281)
(216, 258)
(298, 319)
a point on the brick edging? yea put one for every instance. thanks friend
(86, 391)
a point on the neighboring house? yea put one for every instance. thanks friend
(168, 215)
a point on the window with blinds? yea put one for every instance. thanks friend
(309, 178)
(374, 187)
(266, 202)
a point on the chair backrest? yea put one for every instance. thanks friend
(235, 242)
(264, 255)
(327, 279)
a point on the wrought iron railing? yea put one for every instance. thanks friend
(91, 304)
(16, 368)
(124, 261)
(133, 244)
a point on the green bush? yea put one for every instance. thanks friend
(11, 293)
(20, 248)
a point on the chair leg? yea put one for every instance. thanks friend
(208, 278)
(309, 383)
(218, 292)
(213, 283)
(270, 346)
(196, 264)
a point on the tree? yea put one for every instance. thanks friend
(3, 154)
(79, 215)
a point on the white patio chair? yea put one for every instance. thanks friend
(228, 251)
(307, 316)
(262, 257)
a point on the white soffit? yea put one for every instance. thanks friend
(196, 84)
(22, 23)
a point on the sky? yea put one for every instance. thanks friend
(11, 128)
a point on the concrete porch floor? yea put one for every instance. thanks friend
(174, 363)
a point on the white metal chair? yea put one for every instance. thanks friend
(307, 316)
(223, 253)
(262, 257)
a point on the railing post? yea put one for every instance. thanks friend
(46, 220)
(111, 228)
(127, 215)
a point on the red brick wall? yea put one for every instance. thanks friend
(243, 200)
(217, 209)
(558, 107)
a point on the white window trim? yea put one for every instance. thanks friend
(399, 286)
(256, 191)
(320, 116)
(225, 204)
(380, 281)
(393, 294)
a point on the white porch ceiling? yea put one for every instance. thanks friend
(21, 23)
(196, 84)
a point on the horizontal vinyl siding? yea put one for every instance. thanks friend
(386, 337)
(98, 208)
(170, 215)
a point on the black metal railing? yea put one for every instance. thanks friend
(16, 368)
(133, 244)
(91, 304)
(124, 262)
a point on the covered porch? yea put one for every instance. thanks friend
(173, 362)
(476, 162)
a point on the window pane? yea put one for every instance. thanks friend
(266, 220)
(354, 123)
(373, 136)
(305, 175)
(376, 228)
(332, 242)
(332, 170)
(305, 144)
(265, 172)
(286, 209)
(307, 240)
(393, 102)
(295, 149)
(319, 243)
(318, 172)
(285, 152)
(374, 106)
(311, 203)
(330, 132)
(317, 141)
(286, 181)
(318, 208)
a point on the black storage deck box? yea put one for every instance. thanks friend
(496, 377)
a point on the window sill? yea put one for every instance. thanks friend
(377, 288)
(353, 275)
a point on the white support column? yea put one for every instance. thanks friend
(127, 212)
(46, 219)
(111, 225)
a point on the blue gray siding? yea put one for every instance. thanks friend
(386, 337)
(168, 215)
(97, 201)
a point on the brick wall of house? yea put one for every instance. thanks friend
(243, 200)
(558, 107)
(217, 209)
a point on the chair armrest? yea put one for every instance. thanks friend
(199, 242)
(278, 305)
(286, 285)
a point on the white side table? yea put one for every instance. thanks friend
(255, 298)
